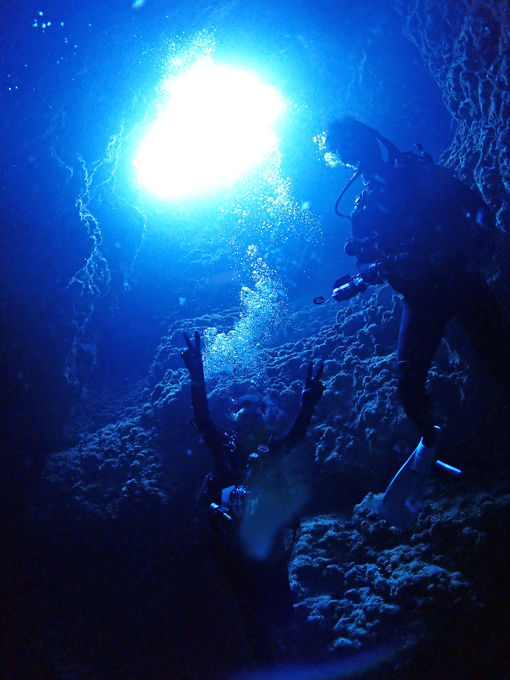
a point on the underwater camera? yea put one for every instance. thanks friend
(344, 288)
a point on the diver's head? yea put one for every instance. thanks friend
(355, 143)
(250, 416)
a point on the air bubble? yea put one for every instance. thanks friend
(239, 352)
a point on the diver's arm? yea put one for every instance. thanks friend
(192, 358)
(375, 267)
(312, 392)
(373, 273)
(370, 263)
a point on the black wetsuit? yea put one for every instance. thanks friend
(261, 585)
(428, 246)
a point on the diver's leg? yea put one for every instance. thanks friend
(421, 329)
(481, 318)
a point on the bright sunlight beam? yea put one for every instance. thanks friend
(217, 125)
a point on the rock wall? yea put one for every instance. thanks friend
(466, 47)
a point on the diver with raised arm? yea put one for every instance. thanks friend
(249, 509)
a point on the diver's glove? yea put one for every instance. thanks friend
(374, 273)
(313, 389)
(409, 266)
(192, 358)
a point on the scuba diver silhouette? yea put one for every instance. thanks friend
(426, 233)
(249, 505)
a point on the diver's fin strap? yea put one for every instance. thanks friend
(448, 468)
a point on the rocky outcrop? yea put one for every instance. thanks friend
(466, 47)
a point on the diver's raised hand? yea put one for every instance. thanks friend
(192, 356)
(313, 389)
